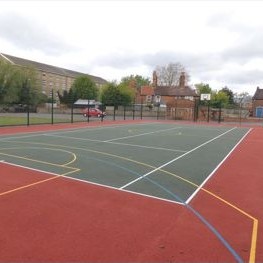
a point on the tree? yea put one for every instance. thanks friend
(110, 94)
(169, 75)
(29, 91)
(114, 95)
(126, 93)
(219, 99)
(229, 93)
(202, 88)
(18, 85)
(9, 82)
(243, 97)
(138, 81)
(84, 88)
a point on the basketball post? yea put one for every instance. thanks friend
(208, 110)
(158, 102)
(206, 97)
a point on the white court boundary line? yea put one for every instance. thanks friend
(175, 159)
(212, 173)
(92, 183)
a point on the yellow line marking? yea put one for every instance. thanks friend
(38, 182)
(51, 149)
(29, 185)
(254, 229)
(37, 161)
(255, 221)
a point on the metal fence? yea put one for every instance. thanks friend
(52, 114)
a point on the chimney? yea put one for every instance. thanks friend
(182, 80)
(155, 79)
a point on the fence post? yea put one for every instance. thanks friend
(52, 106)
(72, 104)
(195, 110)
(133, 111)
(141, 107)
(28, 99)
(220, 112)
(88, 111)
(208, 111)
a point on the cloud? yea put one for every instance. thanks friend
(28, 34)
(244, 76)
(250, 48)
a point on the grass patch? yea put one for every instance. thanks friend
(11, 120)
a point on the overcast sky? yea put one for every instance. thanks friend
(220, 43)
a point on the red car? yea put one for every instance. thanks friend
(93, 112)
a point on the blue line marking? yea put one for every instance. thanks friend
(177, 198)
(202, 219)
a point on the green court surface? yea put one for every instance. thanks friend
(162, 160)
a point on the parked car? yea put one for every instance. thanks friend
(93, 112)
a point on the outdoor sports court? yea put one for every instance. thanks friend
(133, 191)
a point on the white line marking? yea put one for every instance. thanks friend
(142, 134)
(30, 168)
(147, 147)
(175, 159)
(212, 173)
(76, 129)
(117, 143)
(123, 190)
(97, 184)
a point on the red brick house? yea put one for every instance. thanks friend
(179, 100)
(257, 103)
(146, 95)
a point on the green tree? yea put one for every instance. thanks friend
(137, 79)
(114, 95)
(9, 82)
(29, 91)
(110, 94)
(67, 97)
(18, 85)
(84, 88)
(202, 88)
(127, 94)
(229, 93)
(219, 99)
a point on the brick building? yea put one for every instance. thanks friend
(257, 103)
(180, 100)
(51, 77)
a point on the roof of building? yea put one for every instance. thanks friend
(49, 68)
(87, 102)
(258, 94)
(147, 91)
(175, 91)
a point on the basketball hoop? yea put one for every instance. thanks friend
(205, 96)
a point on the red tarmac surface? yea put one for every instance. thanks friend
(63, 220)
